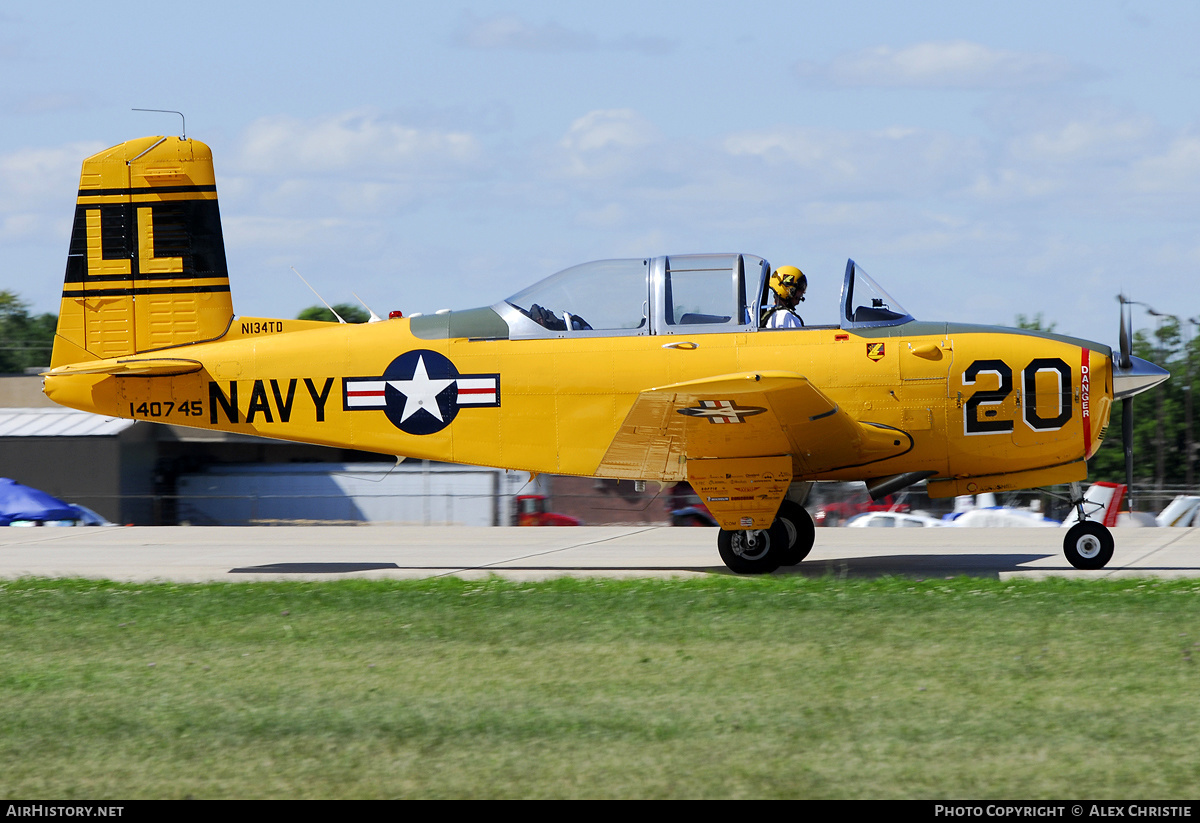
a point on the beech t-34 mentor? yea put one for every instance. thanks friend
(647, 369)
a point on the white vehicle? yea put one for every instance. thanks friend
(981, 511)
(1184, 510)
(1005, 517)
(893, 520)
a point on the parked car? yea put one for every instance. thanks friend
(836, 514)
(531, 511)
(893, 520)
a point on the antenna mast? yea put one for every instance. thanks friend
(182, 119)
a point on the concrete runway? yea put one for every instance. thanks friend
(184, 554)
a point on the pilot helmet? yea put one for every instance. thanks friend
(789, 282)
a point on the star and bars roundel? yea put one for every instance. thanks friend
(421, 392)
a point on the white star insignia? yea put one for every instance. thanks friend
(420, 392)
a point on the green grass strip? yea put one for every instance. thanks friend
(717, 687)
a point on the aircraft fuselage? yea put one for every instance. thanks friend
(980, 404)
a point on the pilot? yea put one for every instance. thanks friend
(788, 284)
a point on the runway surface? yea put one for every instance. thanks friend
(190, 554)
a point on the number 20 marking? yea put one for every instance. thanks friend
(972, 424)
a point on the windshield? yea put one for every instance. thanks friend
(866, 304)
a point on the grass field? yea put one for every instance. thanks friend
(718, 687)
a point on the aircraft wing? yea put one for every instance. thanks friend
(750, 414)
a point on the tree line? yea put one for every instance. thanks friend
(25, 339)
(1163, 452)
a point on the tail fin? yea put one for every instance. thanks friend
(146, 267)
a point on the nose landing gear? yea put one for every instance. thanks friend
(1088, 544)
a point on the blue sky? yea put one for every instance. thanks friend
(979, 159)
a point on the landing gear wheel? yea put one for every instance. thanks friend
(1088, 545)
(753, 551)
(801, 531)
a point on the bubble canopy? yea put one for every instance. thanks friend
(676, 294)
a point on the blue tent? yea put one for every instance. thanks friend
(18, 502)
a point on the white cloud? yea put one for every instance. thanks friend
(606, 143)
(14, 227)
(360, 141)
(952, 64)
(37, 193)
(1101, 136)
(280, 231)
(1099, 161)
(831, 162)
(617, 128)
(30, 176)
(508, 32)
(1001, 184)
(1176, 170)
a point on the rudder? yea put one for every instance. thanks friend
(146, 266)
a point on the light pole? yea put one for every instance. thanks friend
(1190, 457)
(1187, 396)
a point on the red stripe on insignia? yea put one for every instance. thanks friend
(475, 391)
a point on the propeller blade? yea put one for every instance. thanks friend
(1126, 333)
(1127, 439)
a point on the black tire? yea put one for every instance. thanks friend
(753, 551)
(1088, 545)
(801, 530)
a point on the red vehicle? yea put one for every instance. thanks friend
(531, 511)
(835, 514)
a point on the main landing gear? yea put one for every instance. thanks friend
(762, 551)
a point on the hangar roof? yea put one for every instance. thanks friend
(58, 423)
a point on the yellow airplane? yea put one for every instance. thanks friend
(647, 369)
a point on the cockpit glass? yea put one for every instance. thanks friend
(865, 303)
(606, 294)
